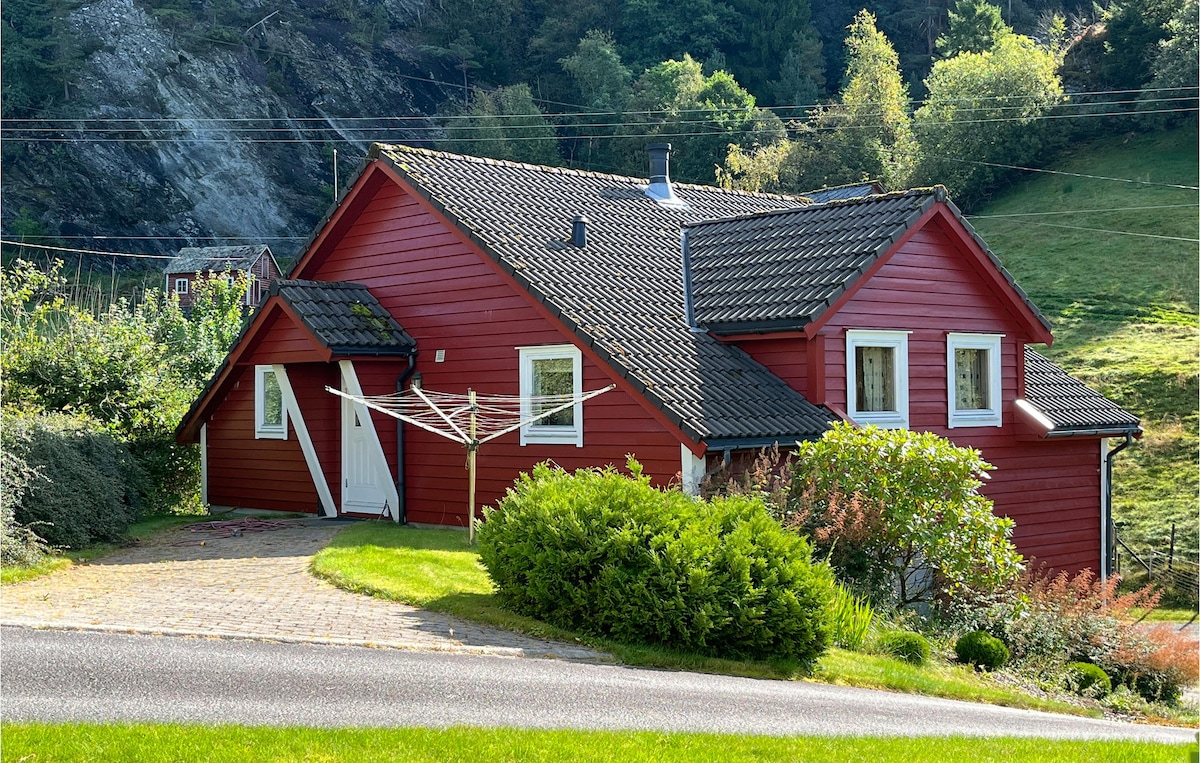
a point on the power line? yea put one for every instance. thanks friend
(90, 251)
(1060, 172)
(1078, 211)
(1117, 232)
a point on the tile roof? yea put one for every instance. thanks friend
(345, 317)
(204, 259)
(781, 269)
(840, 192)
(1068, 403)
(622, 294)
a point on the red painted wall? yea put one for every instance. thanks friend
(1051, 487)
(250, 473)
(449, 298)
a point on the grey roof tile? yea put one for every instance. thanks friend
(345, 317)
(781, 269)
(1068, 403)
(623, 293)
(205, 259)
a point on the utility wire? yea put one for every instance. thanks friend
(1060, 172)
(1117, 232)
(90, 251)
(1078, 211)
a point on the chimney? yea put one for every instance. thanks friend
(579, 231)
(660, 176)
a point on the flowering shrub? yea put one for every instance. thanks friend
(899, 515)
(1048, 621)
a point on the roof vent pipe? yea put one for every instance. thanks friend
(660, 176)
(579, 231)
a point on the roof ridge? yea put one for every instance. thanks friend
(383, 148)
(937, 191)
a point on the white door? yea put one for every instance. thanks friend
(361, 490)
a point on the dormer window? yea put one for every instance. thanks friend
(973, 380)
(877, 378)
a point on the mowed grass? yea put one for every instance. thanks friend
(436, 569)
(163, 743)
(1123, 307)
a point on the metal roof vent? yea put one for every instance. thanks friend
(579, 231)
(660, 176)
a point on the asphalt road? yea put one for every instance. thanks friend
(103, 677)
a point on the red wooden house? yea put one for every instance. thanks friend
(727, 320)
(194, 263)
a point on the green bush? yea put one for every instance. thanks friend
(904, 645)
(610, 555)
(82, 486)
(981, 649)
(899, 514)
(849, 619)
(1087, 679)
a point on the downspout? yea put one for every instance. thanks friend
(1110, 541)
(402, 509)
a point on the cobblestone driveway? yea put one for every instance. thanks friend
(255, 585)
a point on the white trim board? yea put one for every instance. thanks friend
(328, 507)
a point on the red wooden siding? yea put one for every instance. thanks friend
(1051, 488)
(281, 340)
(445, 295)
(787, 359)
(250, 473)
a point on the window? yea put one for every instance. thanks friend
(973, 380)
(877, 377)
(551, 370)
(181, 286)
(270, 414)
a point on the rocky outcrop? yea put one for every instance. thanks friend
(174, 132)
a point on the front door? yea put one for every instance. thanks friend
(361, 492)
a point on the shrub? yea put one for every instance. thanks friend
(904, 645)
(899, 514)
(1050, 620)
(982, 650)
(1088, 680)
(82, 486)
(849, 619)
(610, 555)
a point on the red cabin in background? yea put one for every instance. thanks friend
(194, 263)
(727, 320)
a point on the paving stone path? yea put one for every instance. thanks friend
(255, 585)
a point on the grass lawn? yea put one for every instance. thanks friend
(137, 532)
(1123, 307)
(146, 743)
(436, 569)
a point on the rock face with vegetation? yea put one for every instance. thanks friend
(172, 123)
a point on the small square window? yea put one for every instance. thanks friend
(550, 375)
(270, 414)
(181, 285)
(877, 377)
(973, 380)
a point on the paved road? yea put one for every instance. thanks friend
(79, 676)
(255, 585)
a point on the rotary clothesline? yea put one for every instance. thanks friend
(471, 419)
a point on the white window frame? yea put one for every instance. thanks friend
(263, 430)
(898, 342)
(983, 417)
(546, 434)
(182, 285)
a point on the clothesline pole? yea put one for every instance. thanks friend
(472, 450)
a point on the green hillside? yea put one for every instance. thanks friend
(1123, 307)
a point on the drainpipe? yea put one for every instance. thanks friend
(1110, 541)
(402, 509)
